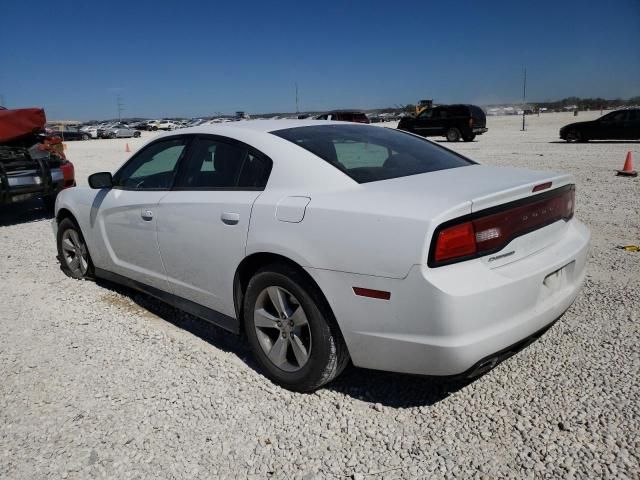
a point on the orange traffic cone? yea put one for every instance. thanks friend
(628, 170)
(127, 149)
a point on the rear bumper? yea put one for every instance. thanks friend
(446, 321)
(480, 130)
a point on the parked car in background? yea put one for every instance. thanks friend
(140, 126)
(452, 121)
(167, 125)
(32, 164)
(344, 116)
(121, 131)
(617, 125)
(152, 125)
(67, 133)
(92, 130)
(324, 241)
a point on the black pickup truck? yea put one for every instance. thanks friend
(32, 165)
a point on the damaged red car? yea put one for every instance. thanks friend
(32, 164)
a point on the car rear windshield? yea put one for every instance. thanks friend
(369, 154)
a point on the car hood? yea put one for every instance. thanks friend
(578, 124)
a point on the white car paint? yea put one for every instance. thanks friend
(438, 321)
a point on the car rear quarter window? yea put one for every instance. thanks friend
(369, 154)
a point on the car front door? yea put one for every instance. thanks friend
(126, 215)
(611, 126)
(632, 125)
(426, 122)
(203, 222)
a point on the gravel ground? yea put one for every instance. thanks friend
(102, 382)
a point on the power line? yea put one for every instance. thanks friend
(120, 106)
(524, 96)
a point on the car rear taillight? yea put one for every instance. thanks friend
(471, 122)
(491, 230)
(68, 172)
(455, 241)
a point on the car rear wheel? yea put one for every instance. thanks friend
(469, 138)
(136, 134)
(453, 135)
(72, 251)
(291, 330)
(85, 137)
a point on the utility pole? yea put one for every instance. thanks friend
(297, 110)
(524, 96)
(120, 106)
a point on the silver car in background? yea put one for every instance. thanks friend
(120, 131)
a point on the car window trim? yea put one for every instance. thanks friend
(229, 141)
(185, 153)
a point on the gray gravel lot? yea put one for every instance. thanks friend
(102, 382)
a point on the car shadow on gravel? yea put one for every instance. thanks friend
(376, 387)
(23, 212)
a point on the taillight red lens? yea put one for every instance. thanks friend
(68, 172)
(487, 232)
(471, 122)
(455, 241)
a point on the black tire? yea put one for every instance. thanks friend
(453, 135)
(469, 138)
(68, 225)
(154, 128)
(574, 135)
(327, 356)
(85, 137)
(136, 134)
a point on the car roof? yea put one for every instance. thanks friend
(262, 126)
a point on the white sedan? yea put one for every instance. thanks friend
(325, 242)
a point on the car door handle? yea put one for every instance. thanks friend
(147, 215)
(230, 218)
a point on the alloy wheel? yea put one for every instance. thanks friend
(74, 251)
(282, 329)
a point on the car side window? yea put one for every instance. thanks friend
(215, 164)
(426, 114)
(614, 117)
(154, 168)
(255, 172)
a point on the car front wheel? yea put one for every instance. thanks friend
(575, 136)
(72, 251)
(291, 331)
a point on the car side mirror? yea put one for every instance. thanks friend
(101, 180)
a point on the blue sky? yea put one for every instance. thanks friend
(192, 58)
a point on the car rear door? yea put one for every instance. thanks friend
(204, 221)
(126, 214)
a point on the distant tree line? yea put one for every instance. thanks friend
(588, 103)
